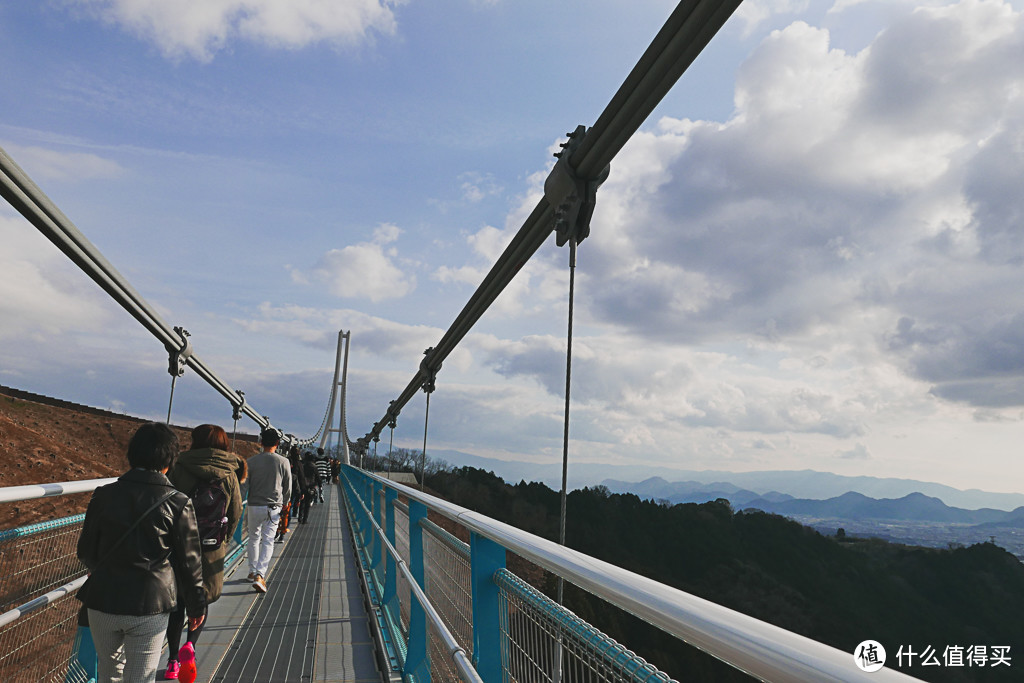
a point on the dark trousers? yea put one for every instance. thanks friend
(174, 625)
(304, 506)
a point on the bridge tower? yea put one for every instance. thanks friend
(338, 388)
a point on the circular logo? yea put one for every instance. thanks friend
(869, 656)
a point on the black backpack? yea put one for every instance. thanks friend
(211, 504)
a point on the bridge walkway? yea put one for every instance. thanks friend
(312, 624)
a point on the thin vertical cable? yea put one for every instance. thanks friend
(391, 445)
(170, 403)
(423, 457)
(557, 663)
(568, 381)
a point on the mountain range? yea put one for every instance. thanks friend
(739, 487)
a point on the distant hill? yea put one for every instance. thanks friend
(811, 485)
(808, 484)
(915, 507)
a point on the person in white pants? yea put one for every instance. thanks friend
(270, 484)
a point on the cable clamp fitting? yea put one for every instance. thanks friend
(429, 383)
(236, 408)
(572, 197)
(178, 358)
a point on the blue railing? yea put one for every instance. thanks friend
(512, 632)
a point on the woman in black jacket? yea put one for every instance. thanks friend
(139, 542)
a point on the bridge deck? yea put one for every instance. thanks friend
(312, 623)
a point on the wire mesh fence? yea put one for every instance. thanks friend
(35, 559)
(402, 546)
(542, 642)
(448, 581)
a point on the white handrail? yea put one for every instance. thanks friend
(765, 651)
(42, 601)
(12, 494)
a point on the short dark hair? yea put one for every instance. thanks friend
(210, 436)
(153, 447)
(269, 438)
(320, 451)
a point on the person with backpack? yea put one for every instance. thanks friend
(208, 473)
(270, 485)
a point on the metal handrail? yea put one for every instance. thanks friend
(760, 649)
(13, 494)
(455, 651)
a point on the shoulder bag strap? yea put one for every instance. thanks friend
(135, 524)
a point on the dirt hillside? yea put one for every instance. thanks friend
(44, 440)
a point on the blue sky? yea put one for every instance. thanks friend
(809, 257)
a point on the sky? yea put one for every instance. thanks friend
(809, 257)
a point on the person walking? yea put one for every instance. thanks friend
(209, 474)
(298, 483)
(270, 485)
(140, 542)
(309, 473)
(323, 470)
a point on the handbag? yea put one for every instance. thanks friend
(82, 594)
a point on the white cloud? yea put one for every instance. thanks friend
(858, 452)
(201, 28)
(754, 13)
(43, 294)
(318, 327)
(365, 270)
(848, 191)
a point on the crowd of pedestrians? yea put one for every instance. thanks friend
(155, 541)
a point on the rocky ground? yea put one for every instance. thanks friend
(45, 440)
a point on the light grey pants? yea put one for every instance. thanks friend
(141, 638)
(263, 521)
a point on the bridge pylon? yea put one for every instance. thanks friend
(338, 387)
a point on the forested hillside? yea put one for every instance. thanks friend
(838, 591)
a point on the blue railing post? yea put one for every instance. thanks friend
(240, 529)
(378, 545)
(486, 557)
(85, 655)
(416, 661)
(391, 569)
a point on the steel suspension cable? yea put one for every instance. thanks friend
(29, 200)
(685, 34)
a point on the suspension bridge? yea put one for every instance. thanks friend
(388, 583)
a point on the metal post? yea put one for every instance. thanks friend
(416, 660)
(486, 557)
(391, 568)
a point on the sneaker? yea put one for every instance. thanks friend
(259, 584)
(172, 670)
(187, 657)
(251, 577)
